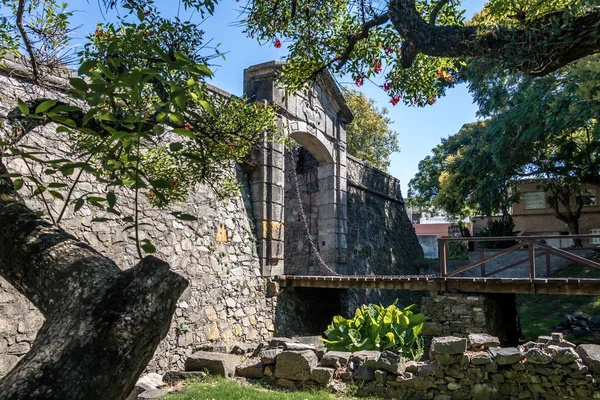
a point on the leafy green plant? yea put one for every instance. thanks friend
(496, 228)
(458, 251)
(375, 327)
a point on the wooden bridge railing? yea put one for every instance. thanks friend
(530, 242)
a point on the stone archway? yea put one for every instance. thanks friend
(317, 120)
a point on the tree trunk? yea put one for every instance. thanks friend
(102, 324)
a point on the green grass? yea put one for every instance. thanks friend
(538, 313)
(224, 389)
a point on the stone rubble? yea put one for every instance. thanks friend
(536, 370)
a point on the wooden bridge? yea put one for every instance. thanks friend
(476, 276)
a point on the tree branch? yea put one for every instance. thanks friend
(434, 13)
(362, 34)
(547, 44)
(26, 40)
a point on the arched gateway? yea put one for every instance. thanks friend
(317, 120)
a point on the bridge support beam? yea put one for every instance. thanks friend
(459, 314)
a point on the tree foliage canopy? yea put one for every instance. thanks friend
(543, 128)
(414, 48)
(368, 136)
(141, 116)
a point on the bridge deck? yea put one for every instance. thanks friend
(438, 284)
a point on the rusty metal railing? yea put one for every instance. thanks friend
(530, 242)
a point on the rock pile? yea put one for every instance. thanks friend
(579, 325)
(459, 368)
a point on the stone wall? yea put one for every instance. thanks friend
(457, 369)
(460, 314)
(226, 300)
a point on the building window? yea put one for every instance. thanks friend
(589, 197)
(595, 232)
(534, 200)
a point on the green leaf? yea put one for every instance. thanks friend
(45, 106)
(148, 248)
(180, 101)
(184, 132)
(56, 194)
(23, 107)
(111, 199)
(18, 183)
(176, 146)
(79, 84)
(78, 204)
(208, 107)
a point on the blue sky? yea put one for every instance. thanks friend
(419, 129)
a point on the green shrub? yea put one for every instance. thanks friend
(458, 251)
(495, 228)
(375, 327)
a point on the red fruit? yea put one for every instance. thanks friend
(187, 127)
(146, 13)
(431, 100)
(150, 193)
(376, 65)
(395, 99)
(277, 43)
(386, 86)
(359, 81)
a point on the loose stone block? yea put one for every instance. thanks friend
(483, 341)
(448, 345)
(564, 355)
(295, 366)
(480, 358)
(269, 356)
(322, 375)
(335, 359)
(252, 369)
(506, 356)
(215, 363)
(590, 354)
(537, 356)
(391, 362)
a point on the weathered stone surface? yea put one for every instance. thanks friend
(215, 363)
(322, 375)
(391, 362)
(278, 342)
(364, 373)
(153, 394)
(252, 369)
(506, 356)
(418, 384)
(295, 366)
(150, 381)
(564, 355)
(172, 377)
(590, 354)
(480, 358)
(537, 356)
(363, 356)
(483, 340)
(448, 345)
(297, 346)
(484, 392)
(335, 359)
(268, 356)
(243, 348)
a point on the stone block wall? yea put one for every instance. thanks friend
(460, 314)
(226, 300)
(458, 369)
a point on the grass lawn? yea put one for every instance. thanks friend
(538, 313)
(226, 389)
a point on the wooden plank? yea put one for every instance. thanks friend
(569, 256)
(477, 263)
